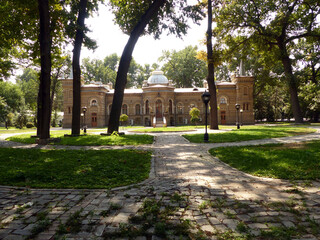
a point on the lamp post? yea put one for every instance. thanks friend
(84, 110)
(237, 117)
(241, 119)
(206, 98)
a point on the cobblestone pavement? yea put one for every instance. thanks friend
(188, 191)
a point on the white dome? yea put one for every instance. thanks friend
(157, 77)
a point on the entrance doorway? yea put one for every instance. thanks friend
(159, 109)
(223, 117)
(94, 121)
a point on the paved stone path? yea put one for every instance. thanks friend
(217, 200)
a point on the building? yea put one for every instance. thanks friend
(159, 103)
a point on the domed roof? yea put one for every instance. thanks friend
(157, 77)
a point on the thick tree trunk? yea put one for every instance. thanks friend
(76, 108)
(210, 77)
(124, 64)
(43, 115)
(293, 89)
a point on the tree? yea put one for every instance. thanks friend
(145, 17)
(18, 20)
(43, 115)
(210, 77)
(12, 95)
(273, 24)
(3, 109)
(123, 118)
(183, 67)
(29, 85)
(195, 115)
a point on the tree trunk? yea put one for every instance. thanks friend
(43, 115)
(124, 64)
(210, 77)
(293, 89)
(76, 108)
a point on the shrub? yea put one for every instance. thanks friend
(29, 125)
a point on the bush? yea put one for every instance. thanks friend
(29, 125)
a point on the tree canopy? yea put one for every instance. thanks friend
(183, 67)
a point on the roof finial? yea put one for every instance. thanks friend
(242, 70)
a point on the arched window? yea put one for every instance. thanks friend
(223, 100)
(170, 106)
(138, 109)
(180, 108)
(147, 107)
(94, 102)
(125, 109)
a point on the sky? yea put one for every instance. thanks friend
(110, 39)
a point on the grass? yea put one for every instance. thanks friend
(167, 129)
(72, 168)
(250, 133)
(299, 161)
(88, 140)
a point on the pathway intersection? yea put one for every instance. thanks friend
(194, 189)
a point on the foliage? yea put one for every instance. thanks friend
(183, 67)
(287, 161)
(105, 71)
(21, 119)
(72, 169)
(195, 115)
(29, 85)
(123, 118)
(250, 133)
(3, 109)
(172, 17)
(271, 28)
(12, 95)
(90, 140)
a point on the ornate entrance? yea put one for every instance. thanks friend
(94, 121)
(223, 117)
(159, 109)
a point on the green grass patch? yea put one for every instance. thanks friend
(88, 140)
(299, 161)
(250, 133)
(72, 168)
(167, 129)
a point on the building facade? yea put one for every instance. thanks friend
(159, 103)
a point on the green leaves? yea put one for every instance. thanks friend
(173, 17)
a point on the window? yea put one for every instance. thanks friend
(69, 110)
(125, 109)
(147, 107)
(94, 102)
(223, 100)
(138, 109)
(70, 94)
(245, 106)
(170, 106)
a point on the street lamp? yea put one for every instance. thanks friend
(237, 117)
(84, 109)
(206, 98)
(241, 118)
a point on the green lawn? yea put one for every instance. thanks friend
(72, 168)
(166, 129)
(250, 133)
(285, 161)
(89, 140)
(16, 130)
